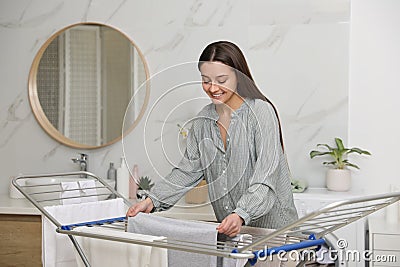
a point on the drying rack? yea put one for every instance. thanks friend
(304, 235)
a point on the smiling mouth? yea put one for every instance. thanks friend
(217, 95)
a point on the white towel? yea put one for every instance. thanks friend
(57, 249)
(110, 253)
(88, 190)
(70, 193)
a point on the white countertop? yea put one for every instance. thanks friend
(22, 206)
(19, 206)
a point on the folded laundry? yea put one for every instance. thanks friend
(70, 193)
(88, 191)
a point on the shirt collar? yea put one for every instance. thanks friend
(248, 102)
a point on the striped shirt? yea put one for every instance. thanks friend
(249, 177)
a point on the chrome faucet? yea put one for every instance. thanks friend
(83, 162)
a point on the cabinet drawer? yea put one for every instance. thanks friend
(20, 240)
(386, 258)
(386, 242)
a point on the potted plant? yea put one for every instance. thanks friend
(144, 184)
(338, 178)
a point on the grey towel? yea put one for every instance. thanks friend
(190, 231)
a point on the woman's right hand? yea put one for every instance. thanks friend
(142, 206)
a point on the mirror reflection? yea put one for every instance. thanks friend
(81, 83)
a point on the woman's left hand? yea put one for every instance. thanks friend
(231, 225)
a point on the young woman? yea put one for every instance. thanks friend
(235, 143)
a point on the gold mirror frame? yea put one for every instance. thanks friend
(37, 107)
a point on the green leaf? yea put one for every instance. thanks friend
(329, 163)
(352, 165)
(359, 151)
(339, 143)
(145, 183)
(315, 153)
(327, 146)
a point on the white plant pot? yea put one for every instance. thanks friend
(338, 180)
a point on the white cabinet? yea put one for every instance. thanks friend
(384, 243)
(353, 234)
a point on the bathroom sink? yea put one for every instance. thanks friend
(50, 187)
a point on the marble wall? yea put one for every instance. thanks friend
(297, 51)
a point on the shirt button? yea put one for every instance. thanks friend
(225, 188)
(227, 139)
(223, 171)
(226, 207)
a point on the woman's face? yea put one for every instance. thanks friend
(219, 81)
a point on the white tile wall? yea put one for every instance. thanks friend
(297, 51)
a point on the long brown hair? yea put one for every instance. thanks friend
(230, 54)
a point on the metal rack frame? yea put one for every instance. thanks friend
(305, 233)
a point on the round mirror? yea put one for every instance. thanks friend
(81, 82)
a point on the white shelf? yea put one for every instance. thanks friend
(323, 193)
